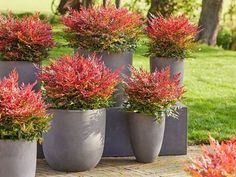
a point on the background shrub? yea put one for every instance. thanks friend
(103, 29)
(27, 38)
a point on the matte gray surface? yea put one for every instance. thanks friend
(27, 71)
(176, 66)
(146, 136)
(176, 134)
(115, 61)
(117, 141)
(17, 158)
(75, 141)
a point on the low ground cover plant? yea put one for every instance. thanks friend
(24, 39)
(75, 82)
(103, 29)
(22, 111)
(152, 93)
(218, 160)
(170, 37)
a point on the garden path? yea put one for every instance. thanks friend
(165, 166)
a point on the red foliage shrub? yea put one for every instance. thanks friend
(75, 82)
(20, 108)
(170, 37)
(103, 29)
(27, 38)
(219, 160)
(152, 93)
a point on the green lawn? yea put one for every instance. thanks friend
(210, 79)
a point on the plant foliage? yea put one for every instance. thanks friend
(75, 82)
(218, 160)
(152, 93)
(22, 111)
(25, 39)
(103, 29)
(170, 37)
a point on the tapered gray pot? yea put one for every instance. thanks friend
(75, 141)
(114, 61)
(146, 135)
(176, 66)
(17, 158)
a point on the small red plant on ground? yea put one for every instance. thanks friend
(22, 111)
(170, 37)
(152, 93)
(75, 82)
(27, 38)
(218, 160)
(103, 29)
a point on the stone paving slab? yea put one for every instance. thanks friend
(164, 166)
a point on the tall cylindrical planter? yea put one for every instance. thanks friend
(146, 135)
(17, 158)
(176, 66)
(114, 61)
(27, 71)
(75, 141)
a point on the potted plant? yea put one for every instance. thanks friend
(109, 32)
(149, 97)
(24, 43)
(23, 119)
(169, 42)
(112, 34)
(78, 89)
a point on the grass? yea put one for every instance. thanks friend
(210, 80)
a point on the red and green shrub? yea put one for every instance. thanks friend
(24, 39)
(152, 93)
(75, 82)
(170, 37)
(218, 160)
(103, 29)
(22, 110)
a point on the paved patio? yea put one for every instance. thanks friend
(168, 166)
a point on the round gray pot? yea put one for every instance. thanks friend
(75, 141)
(146, 135)
(27, 71)
(176, 66)
(114, 61)
(17, 158)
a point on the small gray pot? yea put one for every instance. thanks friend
(17, 158)
(27, 71)
(176, 66)
(75, 141)
(114, 61)
(146, 136)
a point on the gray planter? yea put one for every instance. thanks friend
(75, 141)
(27, 71)
(146, 136)
(17, 158)
(176, 66)
(114, 61)
(117, 141)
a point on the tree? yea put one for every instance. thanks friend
(209, 21)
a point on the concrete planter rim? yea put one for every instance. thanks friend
(21, 61)
(170, 58)
(105, 51)
(20, 140)
(76, 110)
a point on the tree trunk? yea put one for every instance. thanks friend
(117, 3)
(209, 21)
(153, 8)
